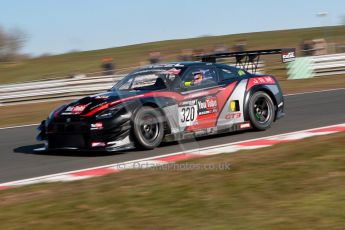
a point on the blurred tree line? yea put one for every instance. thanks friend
(11, 42)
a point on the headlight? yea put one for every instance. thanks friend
(109, 113)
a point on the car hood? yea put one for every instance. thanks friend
(88, 104)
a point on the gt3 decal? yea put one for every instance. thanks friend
(233, 116)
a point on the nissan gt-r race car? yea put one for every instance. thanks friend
(170, 102)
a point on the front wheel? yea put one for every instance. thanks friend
(148, 128)
(261, 110)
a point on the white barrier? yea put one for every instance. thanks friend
(59, 89)
(333, 64)
(315, 66)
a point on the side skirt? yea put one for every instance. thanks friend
(207, 132)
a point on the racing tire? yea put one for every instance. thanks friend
(261, 110)
(148, 128)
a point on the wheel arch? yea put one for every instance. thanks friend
(251, 92)
(158, 106)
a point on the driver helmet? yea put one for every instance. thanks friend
(198, 77)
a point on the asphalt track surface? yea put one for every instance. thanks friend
(19, 161)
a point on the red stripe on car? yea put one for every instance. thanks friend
(178, 97)
(262, 80)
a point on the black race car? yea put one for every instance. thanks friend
(169, 102)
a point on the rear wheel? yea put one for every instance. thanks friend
(261, 110)
(148, 128)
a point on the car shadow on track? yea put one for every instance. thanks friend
(31, 149)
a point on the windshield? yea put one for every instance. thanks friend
(149, 79)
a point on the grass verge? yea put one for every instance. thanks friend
(26, 113)
(296, 185)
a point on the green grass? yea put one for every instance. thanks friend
(288, 186)
(131, 56)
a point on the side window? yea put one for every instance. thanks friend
(229, 73)
(200, 77)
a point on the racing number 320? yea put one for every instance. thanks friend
(187, 114)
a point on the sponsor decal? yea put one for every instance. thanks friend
(288, 55)
(74, 110)
(78, 109)
(245, 125)
(98, 144)
(97, 126)
(211, 103)
(233, 115)
(101, 97)
(207, 105)
(264, 80)
(188, 112)
(69, 109)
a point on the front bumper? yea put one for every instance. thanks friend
(84, 136)
(280, 113)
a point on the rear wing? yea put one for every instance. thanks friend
(250, 59)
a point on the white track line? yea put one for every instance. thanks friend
(316, 91)
(18, 126)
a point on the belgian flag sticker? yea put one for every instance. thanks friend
(234, 106)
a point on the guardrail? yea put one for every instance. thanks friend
(315, 66)
(333, 64)
(55, 89)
